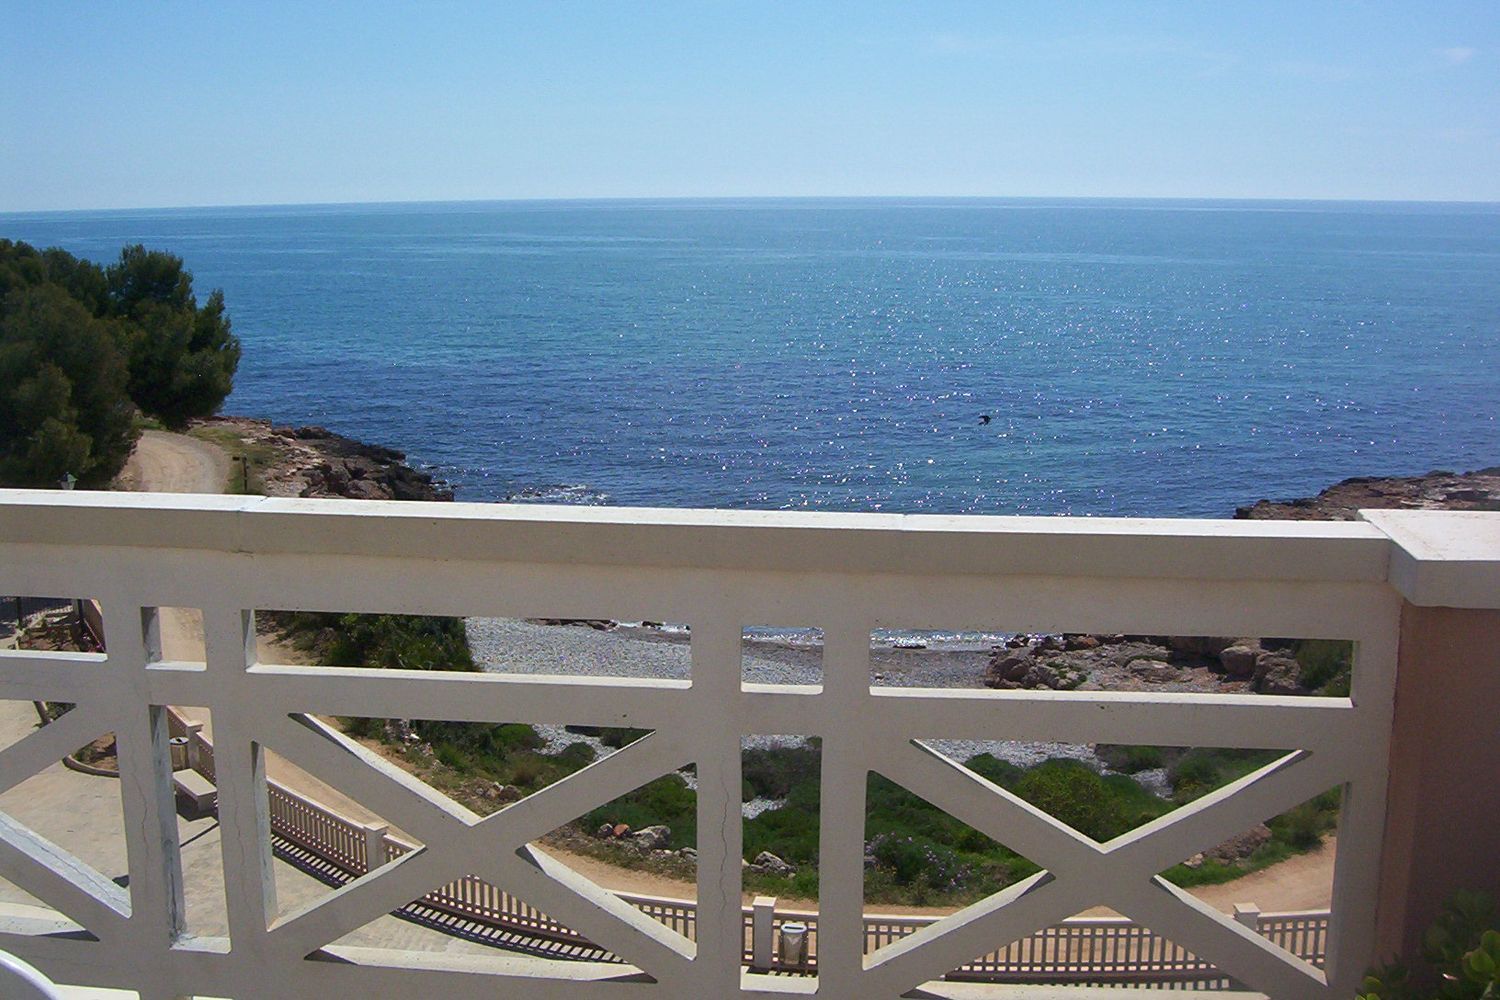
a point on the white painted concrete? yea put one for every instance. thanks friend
(847, 574)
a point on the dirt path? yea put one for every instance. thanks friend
(164, 462)
(175, 463)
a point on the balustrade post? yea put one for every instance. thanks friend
(1442, 816)
(763, 921)
(375, 845)
(1443, 821)
(1248, 914)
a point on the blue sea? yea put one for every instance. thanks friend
(1132, 357)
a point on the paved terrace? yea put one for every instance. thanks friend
(1415, 591)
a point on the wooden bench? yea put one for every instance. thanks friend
(197, 794)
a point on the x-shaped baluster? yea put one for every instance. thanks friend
(494, 848)
(1080, 872)
(42, 868)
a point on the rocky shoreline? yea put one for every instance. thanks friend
(316, 462)
(1437, 490)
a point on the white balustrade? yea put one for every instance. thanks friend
(717, 572)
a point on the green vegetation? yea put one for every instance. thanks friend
(86, 352)
(918, 854)
(1461, 953)
(248, 460)
(1325, 665)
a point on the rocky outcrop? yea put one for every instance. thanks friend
(1141, 662)
(315, 462)
(770, 864)
(1478, 490)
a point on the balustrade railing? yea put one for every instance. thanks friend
(847, 575)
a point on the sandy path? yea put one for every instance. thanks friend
(164, 462)
(175, 463)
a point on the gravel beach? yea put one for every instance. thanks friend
(508, 645)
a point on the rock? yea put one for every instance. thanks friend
(620, 830)
(688, 852)
(1478, 490)
(1155, 671)
(651, 838)
(364, 489)
(1239, 661)
(1011, 667)
(1199, 645)
(1276, 673)
(1196, 861)
(768, 862)
(605, 831)
(1077, 642)
(597, 624)
(1041, 675)
(1241, 846)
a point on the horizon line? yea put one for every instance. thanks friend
(549, 199)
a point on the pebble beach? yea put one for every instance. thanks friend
(514, 646)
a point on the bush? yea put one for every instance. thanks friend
(398, 642)
(1131, 759)
(773, 773)
(1203, 769)
(1075, 794)
(617, 738)
(914, 859)
(577, 755)
(1324, 665)
(1461, 952)
(666, 800)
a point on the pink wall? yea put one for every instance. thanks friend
(1443, 816)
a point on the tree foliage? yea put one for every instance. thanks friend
(63, 406)
(182, 355)
(82, 348)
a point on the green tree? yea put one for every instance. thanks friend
(182, 356)
(63, 402)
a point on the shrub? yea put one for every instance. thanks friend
(1075, 794)
(772, 773)
(617, 738)
(920, 860)
(1131, 759)
(1461, 952)
(1324, 665)
(666, 800)
(577, 755)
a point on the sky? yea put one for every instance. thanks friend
(129, 105)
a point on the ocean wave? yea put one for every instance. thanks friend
(564, 493)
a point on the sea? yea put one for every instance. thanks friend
(1081, 357)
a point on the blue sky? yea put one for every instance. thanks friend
(166, 104)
